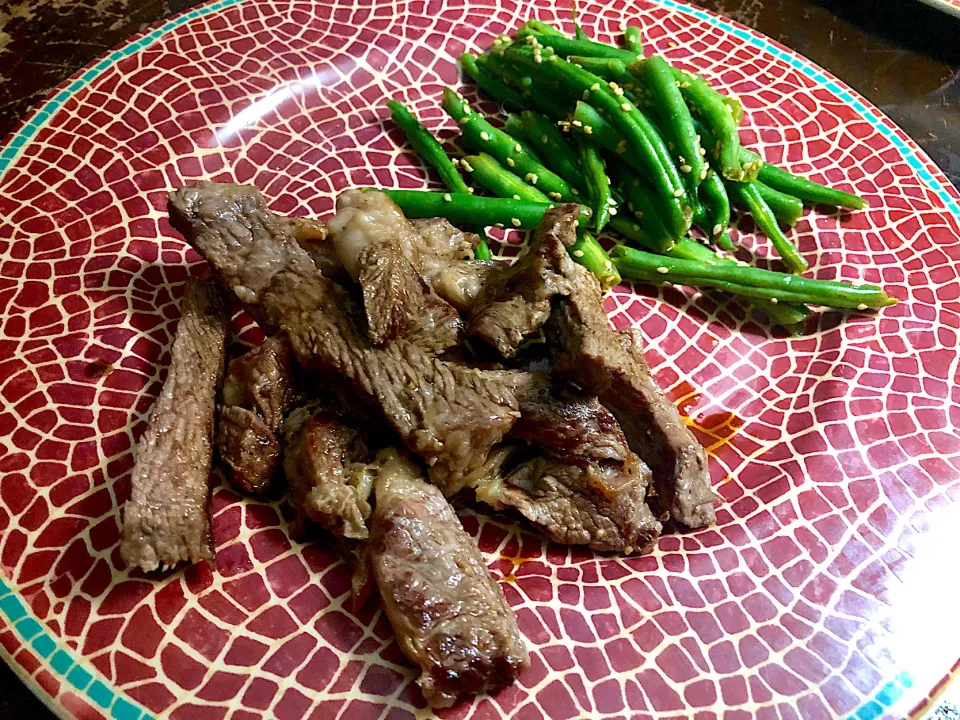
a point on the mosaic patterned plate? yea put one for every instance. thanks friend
(829, 586)
(948, 6)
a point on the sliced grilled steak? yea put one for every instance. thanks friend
(450, 414)
(313, 236)
(248, 447)
(578, 502)
(320, 458)
(371, 218)
(257, 392)
(563, 420)
(569, 423)
(461, 283)
(262, 379)
(591, 354)
(165, 520)
(377, 242)
(657, 432)
(392, 293)
(400, 304)
(516, 302)
(449, 615)
(441, 245)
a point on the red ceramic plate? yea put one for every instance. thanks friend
(949, 6)
(828, 587)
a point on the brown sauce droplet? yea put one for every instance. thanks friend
(98, 369)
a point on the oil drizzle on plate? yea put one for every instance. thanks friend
(720, 426)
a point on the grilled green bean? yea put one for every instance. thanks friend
(748, 281)
(787, 208)
(642, 204)
(465, 210)
(548, 140)
(489, 83)
(513, 126)
(427, 147)
(608, 69)
(807, 190)
(750, 162)
(606, 136)
(484, 137)
(482, 250)
(538, 27)
(780, 313)
(713, 196)
(551, 101)
(747, 194)
(565, 46)
(491, 175)
(640, 135)
(632, 40)
(724, 241)
(597, 182)
(675, 119)
(589, 253)
(718, 117)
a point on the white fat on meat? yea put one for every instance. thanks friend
(370, 218)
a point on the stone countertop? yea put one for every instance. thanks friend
(902, 55)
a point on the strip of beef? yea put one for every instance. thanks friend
(257, 392)
(657, 432)
(165, 521)
(448, 614)
(313, 236)
(248, 447)
(399, 303)
(590, 353)
(445, 254)
(262, 379)
(371, 218)
(516, 302)
(441, 245)
(564, 420)
(380, 248)
(323, 464)
(461, 283)
(449, 414)
(580, 502)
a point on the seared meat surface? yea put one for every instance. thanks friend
(449, 615)
(262, 380)
(516, 302)
(564, 420)
(400, 304)
(165, 520)
(579, 502)
(441, 245)
(657, 432)
(547, 411)
(379, 243)
(313, 236)
(461, 283)
(364, 219)
(248, 447)
(323, 464)
(390, 256)
(590, 353)
(448, 413)
(257, 391)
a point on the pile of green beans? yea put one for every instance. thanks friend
(648, 150)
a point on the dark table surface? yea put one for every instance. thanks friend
(902, 55)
